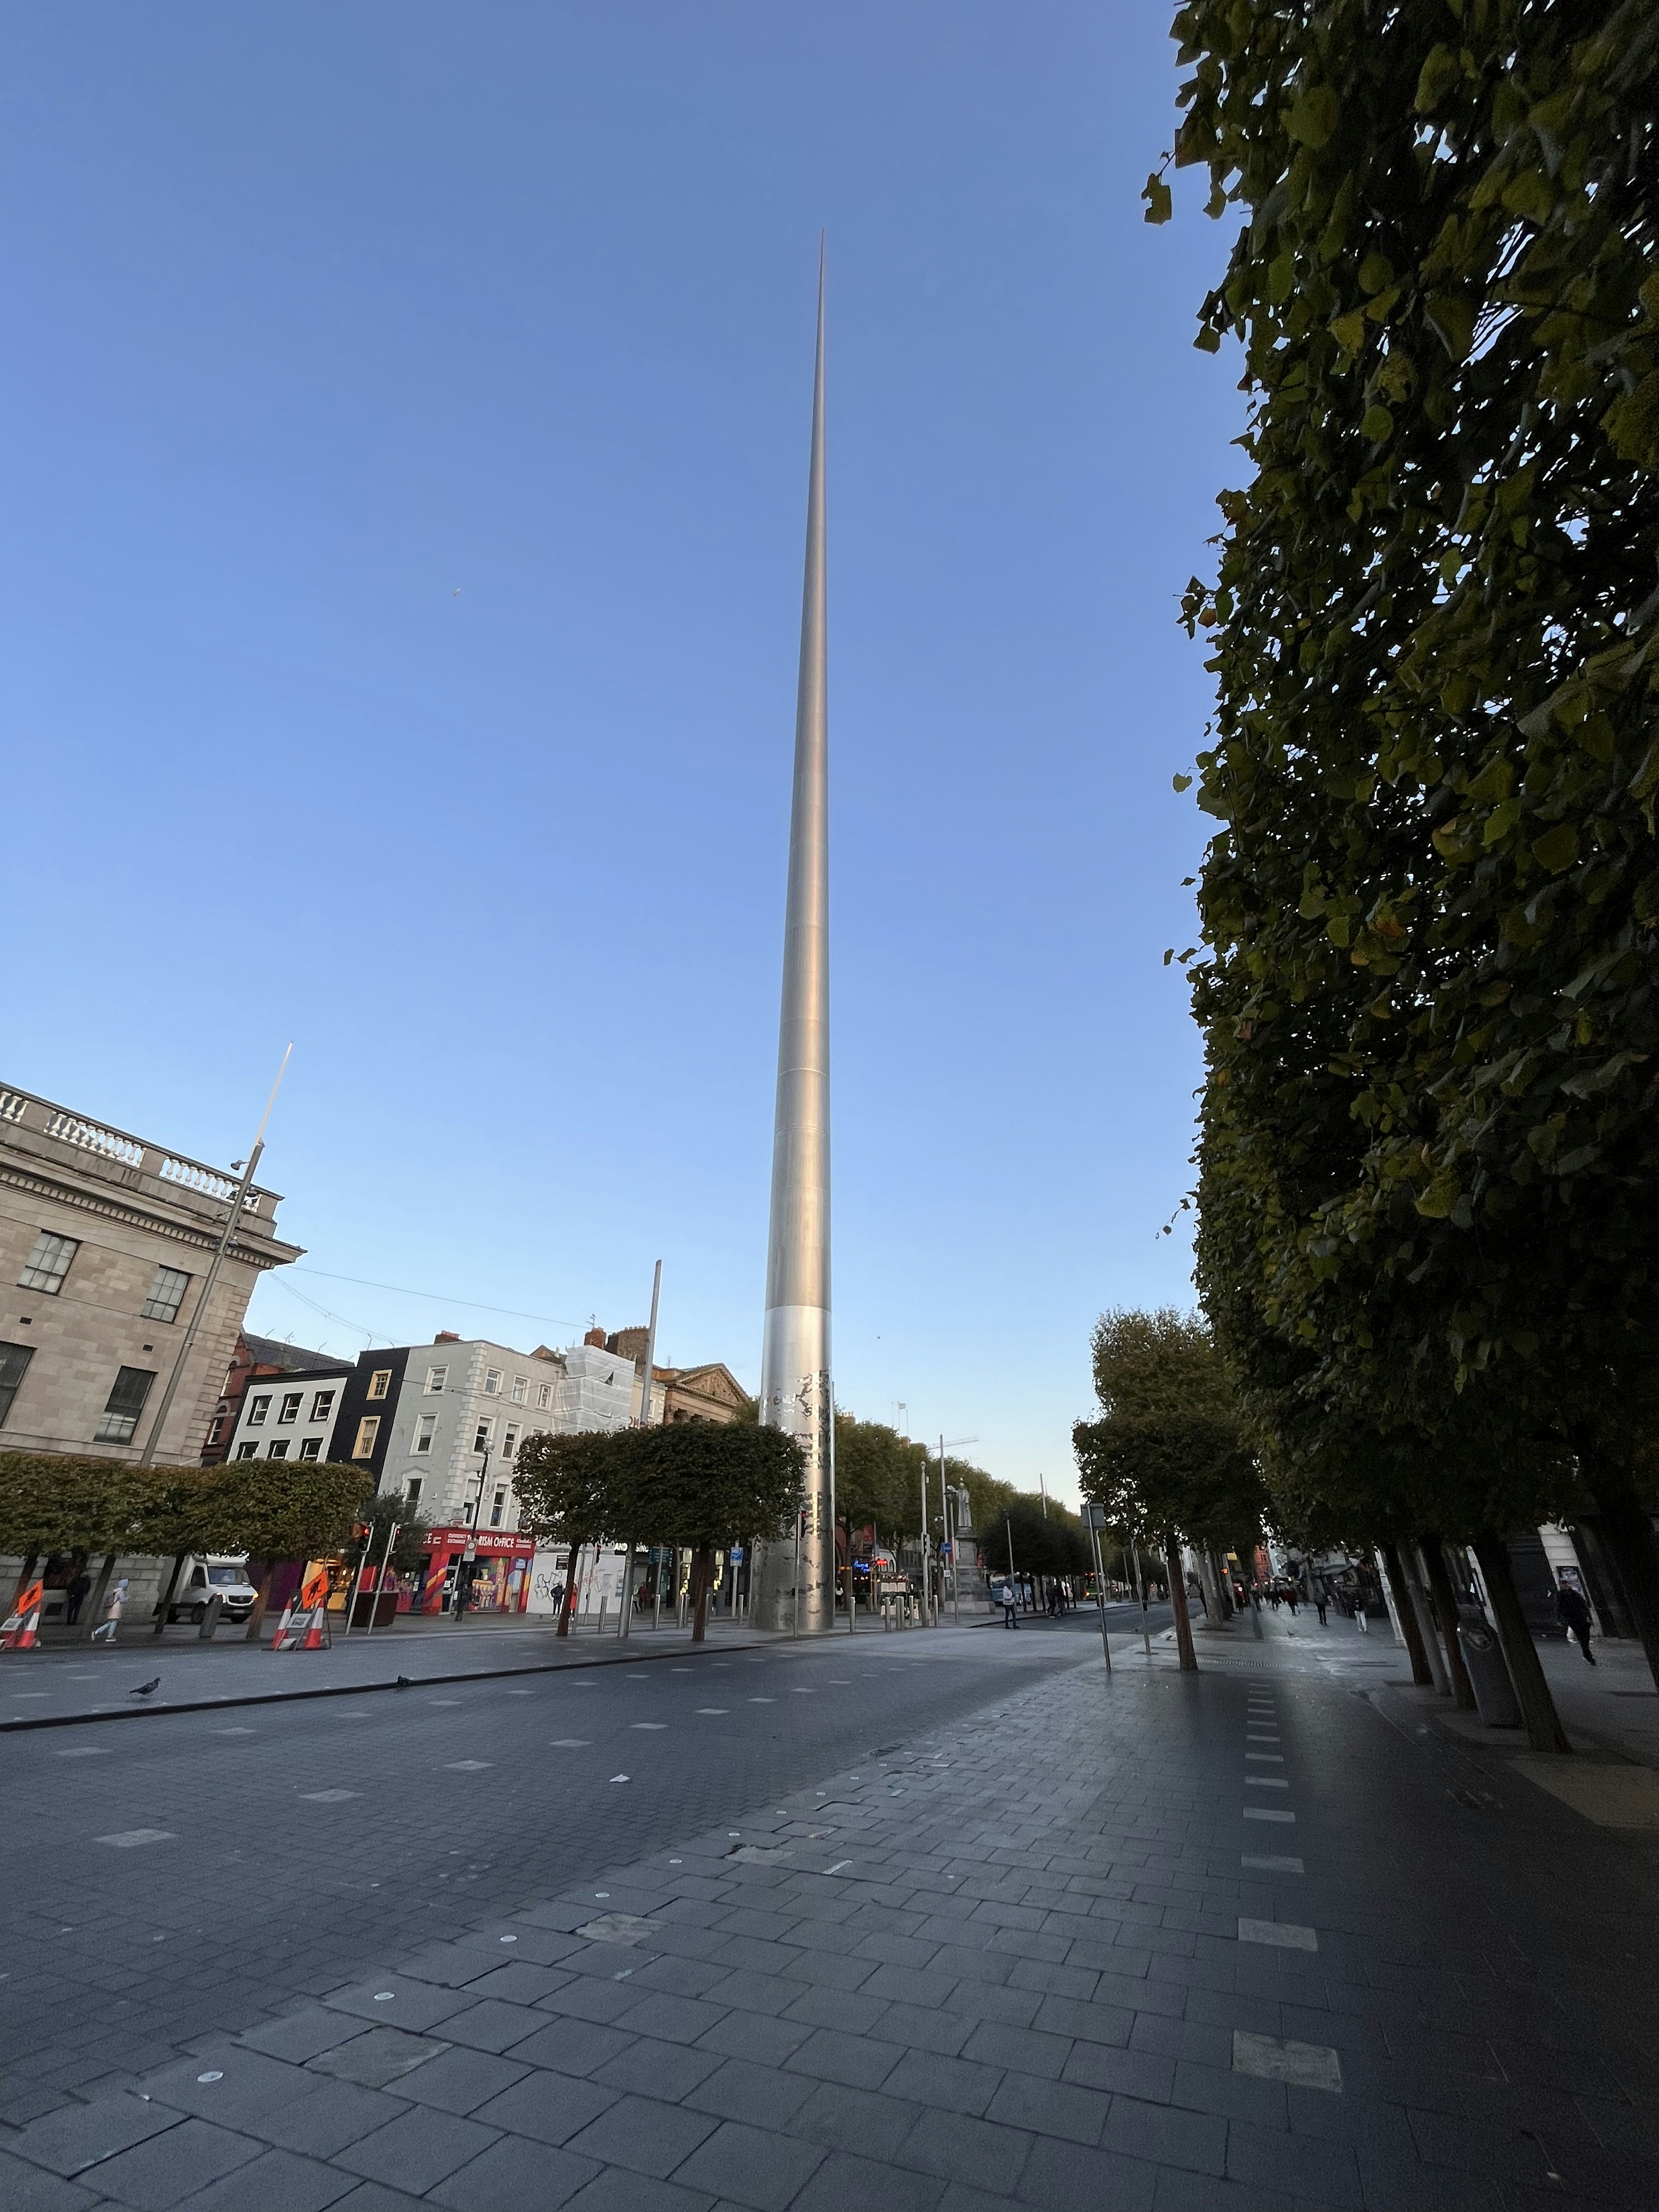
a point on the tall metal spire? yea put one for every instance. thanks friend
(794, 1583)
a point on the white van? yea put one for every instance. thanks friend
(223, 1576)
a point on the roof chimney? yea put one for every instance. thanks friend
(446, 1336)
(595, 1337)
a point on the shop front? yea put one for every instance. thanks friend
(498, 1571)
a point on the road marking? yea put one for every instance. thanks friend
(129, 1838)
(236, 1731)
(31, 1693)
(467, 1765)
(1266, 1782)
(443, 1701)
(648, 1724)
(713, 1709)
(1284, 1934)
(800, 1690)
(840, 1867)
(1266, 1812)
(1273, 1866)
(619, 1777)
(571, 1743)
(328, 1796)
(1273, 1757)
(83, 1751)
(762, 1701)
(1303, 2065)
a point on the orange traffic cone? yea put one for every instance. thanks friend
(18, 1630)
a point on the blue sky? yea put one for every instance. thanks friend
(406, 410)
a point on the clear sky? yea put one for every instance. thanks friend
(405, 457)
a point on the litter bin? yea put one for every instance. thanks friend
(1489, 1674)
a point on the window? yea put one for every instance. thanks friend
(322, 1405)
(486, 1433)
(510, 1439)
(435, 1379)
(123, 1405)
(247, 1451)
(520, 1388)
(425, 1429)
(14, 1358)
(166, 1295)
(492, 1382)
(311, 1447)
(498, 1507)
(278, 1447)
(367, 1429)
(413, 1490)
(544, 1397)
(48, 1263)
(216, 1428)
(291, 1411)
(380, 1382)
(257, 1411)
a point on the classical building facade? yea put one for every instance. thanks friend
(710, 1393)
(105, 1241)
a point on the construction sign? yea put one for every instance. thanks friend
(304, 1625)
(19, 1630)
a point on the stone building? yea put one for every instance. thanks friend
(710, 1393)
(105, 1241)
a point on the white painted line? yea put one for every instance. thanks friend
(619, 1777)
(467, 1765)
(1266, 1782)
(1284, 1934)
(1273, 1866)
(443, 1701)
(570, 1743)
(328, 1796)
(1303, 2065)
(648, 1724)
(762, 1701)
(840, 1867)
(1266, 1812)
(238, 1731)
(1271, 1757)
(129, 1838)
(713, 1709)
(83, 1751)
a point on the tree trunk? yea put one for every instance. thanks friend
(256, 1620)
(1446, 1611)
(568, 1603)
(1627, 1531)
(1411, 1566)
(1178, 1600)
(701, 1563)
(1544, 1729)
(166, 1606)
(94, 1604)
(1219, 1568)
(1421, 1672)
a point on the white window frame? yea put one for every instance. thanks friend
(257, 1410)
(520, 1388)
(322, 1405)
(426, 1429)
(289, 1412)
(380, 1386)
(492, 1382)
(368, 1435)
(484, 1437)
(544, 1397)
(436, 1377)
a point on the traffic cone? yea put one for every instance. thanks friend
(313, 1640)
(18, 1630)
(279, 1642)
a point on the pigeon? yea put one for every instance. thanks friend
(146, 1689)
(405, 1682)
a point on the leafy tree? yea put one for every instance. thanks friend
(706, 1485)
(1429, 1134)
(569, 1493)
(1167, 1458)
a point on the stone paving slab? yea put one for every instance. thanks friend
(1040, 1978)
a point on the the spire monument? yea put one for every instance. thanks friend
(794, 1583)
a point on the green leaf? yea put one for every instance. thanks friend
(1452, 321)
(1159, 204)
(1440, 71)
(1181, 782)
(1349, 329)
(1314, 116)
(1376, 424)
(1557, 850)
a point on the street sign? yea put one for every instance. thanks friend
(1094, 1515)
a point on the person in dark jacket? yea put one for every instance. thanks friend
(75, 1596)
(1574, 1615)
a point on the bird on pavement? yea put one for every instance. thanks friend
(146, 1689)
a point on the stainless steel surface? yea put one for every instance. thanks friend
(796, 1390)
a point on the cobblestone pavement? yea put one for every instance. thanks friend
(1157, 1944)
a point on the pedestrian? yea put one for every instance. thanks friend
(1005, 1600)
(1319, 1601)
(1360, 1620)
(106, 1632)
(75, 1596)
(1290, 1598)
(1574, 1615)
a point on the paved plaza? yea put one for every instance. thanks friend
(942, 1921)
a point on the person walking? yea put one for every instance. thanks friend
(75, 1597)
(1361, 1620)
(1005, 1600)
(106, 1631)
(1290, 1598)
(1319, 1601)
(1574, 1615)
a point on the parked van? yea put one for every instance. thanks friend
(223, 1576)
